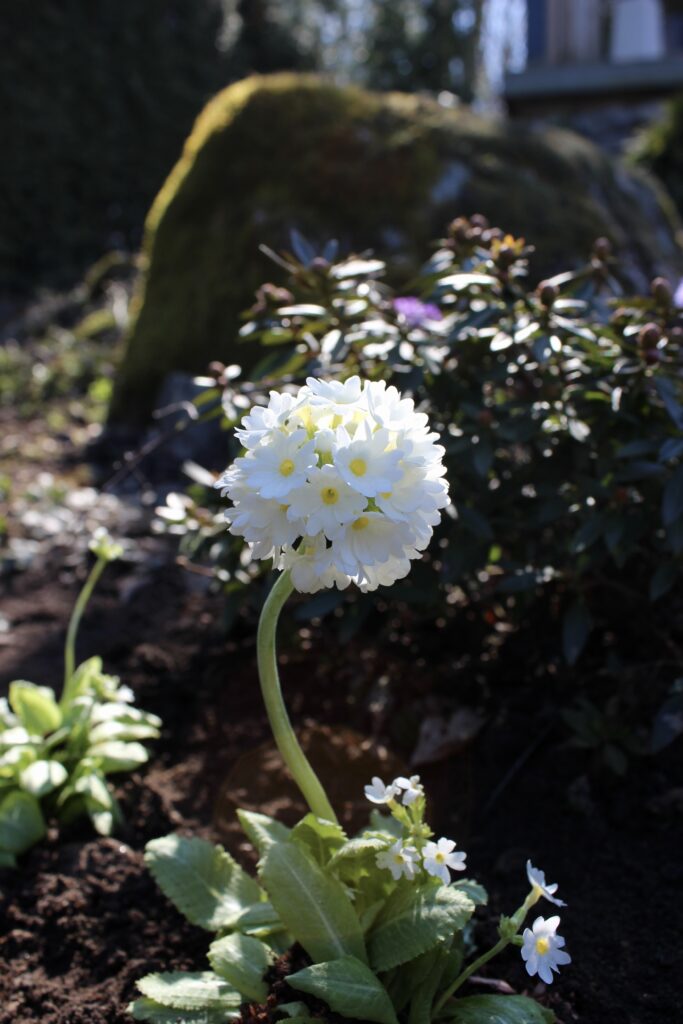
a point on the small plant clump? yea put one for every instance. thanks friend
(381, 917)
(56, 754)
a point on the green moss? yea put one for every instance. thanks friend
(375, 170)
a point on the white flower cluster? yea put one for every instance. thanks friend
(341, 483)
(401, 859)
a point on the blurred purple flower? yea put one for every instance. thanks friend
(678, 296)
(416, 312)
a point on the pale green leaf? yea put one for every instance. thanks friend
(117, 756)
(498, 1010)
(116, 730)
(320, 838)
(190, 990)
(261, 830)
(260, 920)
(202, 880)
(359, 847)
(476, 892)
(21, 822)
(42, 777)
(155, 1013)
(36, 707)
(242, 961)
(414, 921)
(348, 987)
(312, 905)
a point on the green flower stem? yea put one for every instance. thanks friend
(472, 969)
(286, 741)
(74, 622)
(509, 933)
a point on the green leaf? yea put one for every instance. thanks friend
(36, 707)
(359, 847)
(348, 987)
(260, 921)
(414, 921)
(499, 1010)
(242, 961)
(312, 905)
(201, 880)
(42, 777)
(576, 628)
(155, 1013)
(473, 890)
(320, 838)
(190, 990)
(663, 580)
(423, 997)
(672, 498)
(7, 860)
(21, 822)
(115, 730)
(261, 830)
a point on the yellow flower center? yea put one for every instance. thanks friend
(386, 495)
(330, 495)
(360, 523)
(358, 467)
(398, 858)
(542, 946)
(440, 858)
(287, 467)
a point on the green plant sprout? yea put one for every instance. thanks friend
(55, 756)
(341, 484)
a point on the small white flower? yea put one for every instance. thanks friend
(378, 793)
(542, 950)
(278, 467)
(261, 421)
(400, 860)
(327, 502)
(438, 858)
(367, 462)
(538, 883)
(412, 788)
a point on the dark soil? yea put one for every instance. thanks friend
(82, 920)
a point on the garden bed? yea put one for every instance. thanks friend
(82, 919)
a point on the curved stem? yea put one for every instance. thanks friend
(286, 741)
(74, 621)
(462, 978)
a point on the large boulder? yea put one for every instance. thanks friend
(386, 171)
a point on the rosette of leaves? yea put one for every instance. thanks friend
(376, 949)
(56, 755)
(559, 403)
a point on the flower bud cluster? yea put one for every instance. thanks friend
(341, 483)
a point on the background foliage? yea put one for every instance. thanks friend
(560, 407)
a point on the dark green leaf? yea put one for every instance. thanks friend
(348, 987)
(576, 628)
(499, 1010)
(414, 921)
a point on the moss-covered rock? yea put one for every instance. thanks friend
(375, 170)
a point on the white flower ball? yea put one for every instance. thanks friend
(341, 483)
